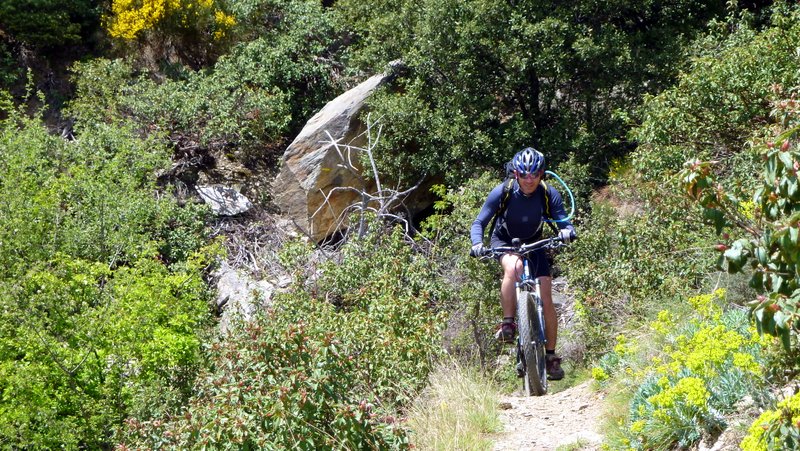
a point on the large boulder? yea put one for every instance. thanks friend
(311, 166)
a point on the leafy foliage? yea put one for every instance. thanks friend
(270, 387)
(188, 30)
(775, 429)
(486, 77)
(771, 246)
(722, 99)
(94, 324)
(327, 367)
(707, 362)
(49, 24)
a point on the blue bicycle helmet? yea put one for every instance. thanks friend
(527, 161)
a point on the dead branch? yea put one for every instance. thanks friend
(382, 202)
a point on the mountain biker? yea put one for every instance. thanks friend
(526, 207)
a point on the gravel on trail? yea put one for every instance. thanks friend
(570, 418)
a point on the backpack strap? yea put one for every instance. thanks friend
(507, 185)
(546, 204)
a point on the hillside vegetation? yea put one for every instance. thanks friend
(676, 127)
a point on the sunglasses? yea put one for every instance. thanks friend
(529, 175)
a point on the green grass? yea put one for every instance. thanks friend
(456, 411)
(578, 445)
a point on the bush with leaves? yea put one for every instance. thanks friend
(488, 76)
(215, 111)
(636, 250)
(251, 99)
(703, 365)
(331, 363)
(272, 386)
(776, 429)
(474, 306)
(191, 31)
(771, 247)
(721, 99)
(49, 24)
(95, 324)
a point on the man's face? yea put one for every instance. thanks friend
(528, 182)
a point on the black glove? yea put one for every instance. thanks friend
(566, 235)
(477, 250)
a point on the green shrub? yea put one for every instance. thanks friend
(215, 110)
(775, 429)
(636, 249)
(82, 343)
(486, 77)
(49, 24)
(329, 366)
(474, 306)
(272, 387)
(94, 323)
(705, 365)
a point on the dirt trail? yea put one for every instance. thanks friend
(547, 422)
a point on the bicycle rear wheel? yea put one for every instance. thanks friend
(530, 345)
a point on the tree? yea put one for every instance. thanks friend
(487, 77)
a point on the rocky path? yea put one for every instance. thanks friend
(564, 419)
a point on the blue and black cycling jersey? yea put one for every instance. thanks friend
(523, 217)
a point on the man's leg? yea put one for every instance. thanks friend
(512, 265)
(554, 370)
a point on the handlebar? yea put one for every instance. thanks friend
(523, 249)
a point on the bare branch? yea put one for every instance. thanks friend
(383, 202)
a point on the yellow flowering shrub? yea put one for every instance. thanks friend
(624, 346)
(709, 347)
(747, 209)
(706, 306)
(706, 363)
(691, 390)
(599, 374)
(775, 429)
(664, 324)
(129, 18)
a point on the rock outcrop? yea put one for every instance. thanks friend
(224, 201)
(239, 296)
(310, 167)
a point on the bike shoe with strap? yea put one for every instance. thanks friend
(506, 332)
(554, 371)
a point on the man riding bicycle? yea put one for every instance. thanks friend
(525, 207)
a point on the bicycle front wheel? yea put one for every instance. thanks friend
(531, 345)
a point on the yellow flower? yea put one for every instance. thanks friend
(599, 374)
(746, 362)
(747, 209)
(664, 324)
(691, 390)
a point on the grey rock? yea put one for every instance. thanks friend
(239, 296)
(224, 201)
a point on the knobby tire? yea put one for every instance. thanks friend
(531, 346)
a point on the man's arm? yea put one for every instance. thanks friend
(488, 210)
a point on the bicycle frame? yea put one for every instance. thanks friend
(528, 283)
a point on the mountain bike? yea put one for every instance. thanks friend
(531, 339)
